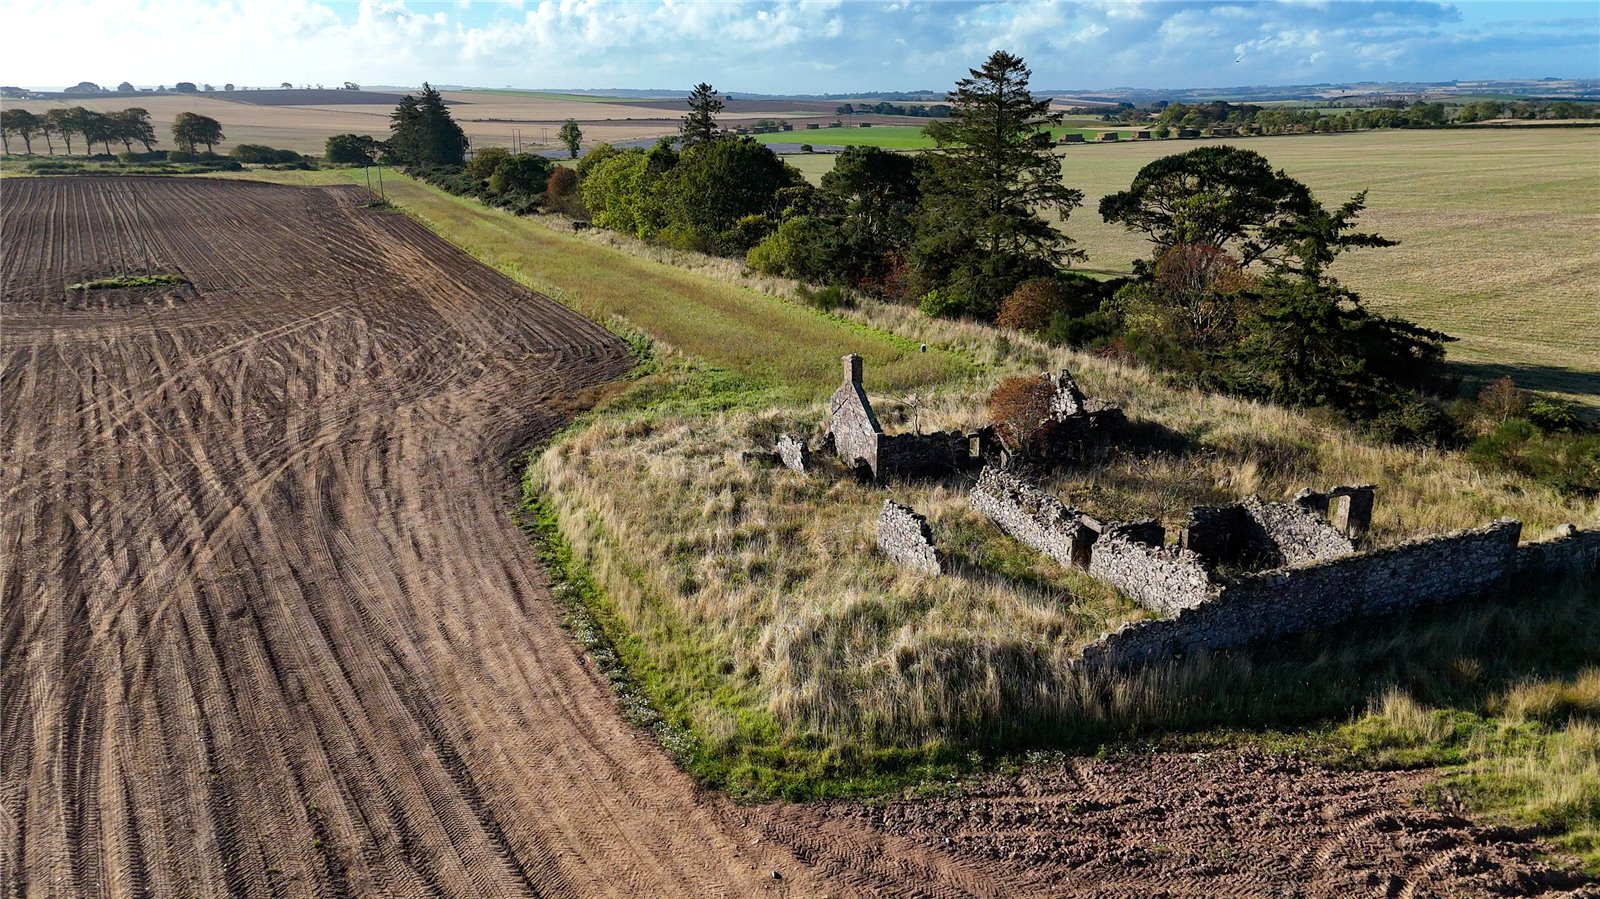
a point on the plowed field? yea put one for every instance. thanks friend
(268, 631)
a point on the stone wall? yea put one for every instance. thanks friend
(1160, 578)
(793, 452)
(1446, 568)
(906, 456)
(904, 536)
(1253, 534)
(1034, 517)
(853, 429)
(1572, 552)
(1288, 535)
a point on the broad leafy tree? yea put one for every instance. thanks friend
(424, 134)
(133, 124)
(524, 173)
(99, 128)
(571, 137)
(981, 228)
(20, 122)
(700, 125)
(715, 184)
(1222, 196)
(67, 122)
(192, 129)
(352, 149)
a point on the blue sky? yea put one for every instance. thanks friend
(790, 46)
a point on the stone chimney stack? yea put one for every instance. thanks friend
(852, 369)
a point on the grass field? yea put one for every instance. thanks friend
(789, 349)
(1499, 235)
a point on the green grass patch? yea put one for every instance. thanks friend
(129, 282)
(780, 343)
(890, 137)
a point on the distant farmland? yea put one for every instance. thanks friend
(893, 137)
(1496, 229)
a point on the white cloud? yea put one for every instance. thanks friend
(776, 45)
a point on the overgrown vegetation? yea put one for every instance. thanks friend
(121, 282)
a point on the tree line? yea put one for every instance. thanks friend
(1249, 117)
(127, 127)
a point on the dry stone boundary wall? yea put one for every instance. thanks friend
(904, 536)
(1270, 604)
(1035, 518)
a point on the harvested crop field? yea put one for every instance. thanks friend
(268, 629)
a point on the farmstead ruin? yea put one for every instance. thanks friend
(1234, 574)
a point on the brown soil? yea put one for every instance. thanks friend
(1221, 824)
(268, 629)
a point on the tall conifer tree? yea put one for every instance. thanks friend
(980, 227)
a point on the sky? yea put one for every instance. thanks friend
(789, 46)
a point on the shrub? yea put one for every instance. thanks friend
(805, 148)
(1018, 406)
(563, 182)
(1554, 415)
(1568, 462)
(181, 156)
(1417, 422)
(746, 232)
(524, 174)
(826, 298)
(803, 247)
(1032, 305)
(257, 154)
(1501, 399)
(485, 161)
(942, 303)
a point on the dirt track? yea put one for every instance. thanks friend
(267, 629)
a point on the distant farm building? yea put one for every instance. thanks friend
(1071, 139)
(1107, 137)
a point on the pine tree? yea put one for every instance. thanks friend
(700, 125)
(424, 134)
(980, 231)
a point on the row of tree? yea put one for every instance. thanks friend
(128, 126)
(1290, 119)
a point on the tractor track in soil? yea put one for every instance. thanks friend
(267, 627)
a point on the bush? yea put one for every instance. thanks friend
(257, 154)
(942, 303)
(802, 247)
(805, 148)
(525, 173)
(826, 298)
(1096, 329)
(485, 161)
(181, 156)
(1570, 463)
(128, 157)
(562, 183)
(1501, 400)
(748, 231)
(1417, 422)
(1018, 406)
(1032, 305)
(1556, 416)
